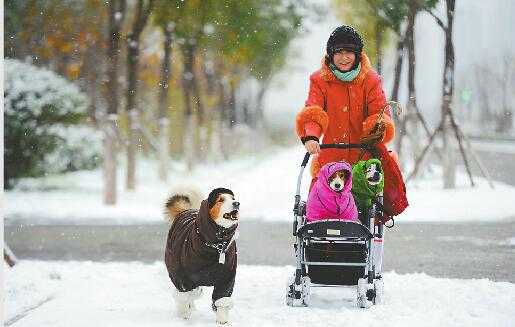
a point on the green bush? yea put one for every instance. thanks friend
(40, 108)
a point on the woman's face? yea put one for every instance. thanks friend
(344, 60)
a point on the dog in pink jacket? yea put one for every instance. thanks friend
(334, 201)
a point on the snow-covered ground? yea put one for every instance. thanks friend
(134, 294)
(264, 184)
(62, 293)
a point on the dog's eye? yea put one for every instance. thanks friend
(221, 200)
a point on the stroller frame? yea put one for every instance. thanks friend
(332, 232)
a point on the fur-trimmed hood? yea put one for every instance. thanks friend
(329, 76)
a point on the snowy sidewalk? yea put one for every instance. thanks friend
(134, 294)
(264, 184)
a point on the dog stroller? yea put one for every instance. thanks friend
(334, 252)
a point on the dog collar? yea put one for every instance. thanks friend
(219, 246)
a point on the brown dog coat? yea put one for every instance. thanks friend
(191, 257)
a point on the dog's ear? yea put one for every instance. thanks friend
(346, 173)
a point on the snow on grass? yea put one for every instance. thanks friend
(264, 184)
(137, 294)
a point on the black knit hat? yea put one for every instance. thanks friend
(344, 38)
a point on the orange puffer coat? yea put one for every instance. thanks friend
(342, 111)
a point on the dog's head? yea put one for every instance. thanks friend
(223, 207)
(374, 174)
(337, 180)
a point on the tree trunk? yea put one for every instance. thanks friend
(116, 16)
(398, 68)
(164, 121)
(201, 132)
(132, 68)
(111, 127)
(187, 77)
(209, 71)
(133, 114)
(448, 90)
(395, 90)
(379, 39)
(222, 107)
(260, 114)
(412, 125)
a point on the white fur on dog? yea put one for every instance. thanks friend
(226, 207)
(224, 302)
(339, 181)
(371, 170)
(223, 305)
(191, 191)
(185, 301)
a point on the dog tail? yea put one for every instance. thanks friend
(175, 205)
(181, 199)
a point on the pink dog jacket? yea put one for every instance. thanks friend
(324, 203)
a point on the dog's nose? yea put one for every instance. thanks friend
(236, 204)
(337, 185)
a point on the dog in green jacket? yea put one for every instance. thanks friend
(367, 182)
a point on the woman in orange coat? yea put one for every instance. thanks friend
(344, 101)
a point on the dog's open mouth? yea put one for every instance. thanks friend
(233, 215)
(375, 179)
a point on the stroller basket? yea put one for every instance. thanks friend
(337, 253)
(335, 241)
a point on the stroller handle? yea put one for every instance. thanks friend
(335, 146)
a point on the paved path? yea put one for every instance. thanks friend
(494, 157)
(475, 250)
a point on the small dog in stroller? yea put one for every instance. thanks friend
(367, 184)
(331, 196)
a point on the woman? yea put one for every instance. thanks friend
(344, 101)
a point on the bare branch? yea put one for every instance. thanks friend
(438, 20)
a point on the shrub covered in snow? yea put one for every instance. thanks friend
(40, 108)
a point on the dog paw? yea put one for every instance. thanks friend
(223, 305)
(184, 309)
(222, 315)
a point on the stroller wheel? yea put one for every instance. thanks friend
(306, 294)
(291, 294)
(366, 294)
(298, 295)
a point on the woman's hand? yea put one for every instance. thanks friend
(312, 147)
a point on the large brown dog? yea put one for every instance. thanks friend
(201, 250)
